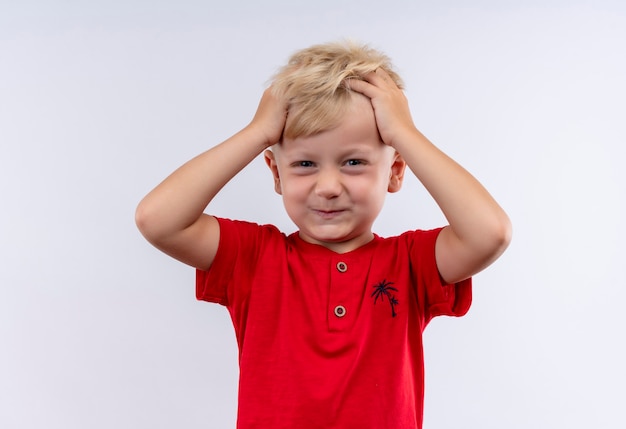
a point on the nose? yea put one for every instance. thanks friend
(328, 184)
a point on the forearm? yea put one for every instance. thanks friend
(178, 201)
(463, 200)
(476, 220)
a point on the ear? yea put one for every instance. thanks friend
(270, 160)
(396, 176)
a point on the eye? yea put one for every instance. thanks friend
(354, 162)
(303, 164)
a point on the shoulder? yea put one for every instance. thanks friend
(243, 238)
(243, 246)
(230, 228)
(414, 248)
(415, 238)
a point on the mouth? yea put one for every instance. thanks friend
(328, 214)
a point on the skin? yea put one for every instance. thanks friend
(334, 183)
(331, 204)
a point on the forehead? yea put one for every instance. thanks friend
(312, 115)
(355, 123)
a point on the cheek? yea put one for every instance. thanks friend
(380, 179)
(293, 189)
(369, 191)
(375, 189)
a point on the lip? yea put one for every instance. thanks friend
(328, 214)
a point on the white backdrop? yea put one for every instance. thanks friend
(100, 100)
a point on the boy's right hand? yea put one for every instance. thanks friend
(270, 117)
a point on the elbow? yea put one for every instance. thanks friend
(501, 234)
(146, 220)
(141, 218)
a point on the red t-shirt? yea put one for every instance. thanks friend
(329, 340)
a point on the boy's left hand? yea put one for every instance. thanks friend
(391, 107)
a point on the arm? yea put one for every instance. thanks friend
(171, 216)
(479, 229)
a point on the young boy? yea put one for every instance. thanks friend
(329, 319)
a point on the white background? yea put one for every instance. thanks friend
(101, 100)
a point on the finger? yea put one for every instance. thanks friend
(360, 86)
(385, 79)
(378, 76)
(383, 74)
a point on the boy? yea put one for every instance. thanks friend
(329, 319)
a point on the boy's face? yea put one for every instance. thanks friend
(334, 183)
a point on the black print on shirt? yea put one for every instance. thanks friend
(384, 290)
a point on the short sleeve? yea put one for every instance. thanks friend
(437, 297)
(235, 260)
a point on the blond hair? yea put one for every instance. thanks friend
(314, 83)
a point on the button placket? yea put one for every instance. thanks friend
(340, 301)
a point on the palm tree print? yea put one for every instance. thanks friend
(384, 289)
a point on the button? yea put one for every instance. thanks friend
(342, 267)
(340, 311)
